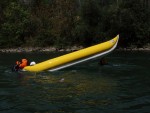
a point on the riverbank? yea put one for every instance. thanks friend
(133, 49)
(53, 49)
(39, 49)
(30, 50)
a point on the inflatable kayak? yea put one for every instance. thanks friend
(76, 57)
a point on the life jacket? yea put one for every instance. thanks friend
(24, 63)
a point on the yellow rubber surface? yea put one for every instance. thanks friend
(52, 63)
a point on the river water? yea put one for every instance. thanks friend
(123, 86)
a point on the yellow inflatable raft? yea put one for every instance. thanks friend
(76, 57)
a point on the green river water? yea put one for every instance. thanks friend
(123, 86)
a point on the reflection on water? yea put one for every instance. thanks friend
(122, 86)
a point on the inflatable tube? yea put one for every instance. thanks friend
(76, 57)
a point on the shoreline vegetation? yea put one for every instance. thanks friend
(54, 49)
(67, 23)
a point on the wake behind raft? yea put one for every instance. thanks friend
(76, 57)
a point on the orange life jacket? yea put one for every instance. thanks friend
(23, 63)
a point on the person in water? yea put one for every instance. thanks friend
(16, 66)
(20, 65)
(24, 63)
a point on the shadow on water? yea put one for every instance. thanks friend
(121, 87)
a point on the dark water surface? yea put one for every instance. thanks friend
(121, 87)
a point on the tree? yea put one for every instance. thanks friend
(135, 23)
(89, 20)
(41, 14)
(15, 27)
(64, 13)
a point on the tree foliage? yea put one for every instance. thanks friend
(65, 23)
(15, 25)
